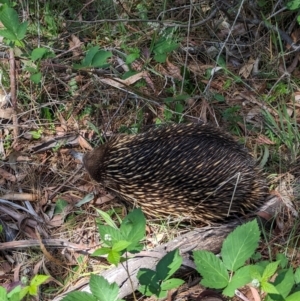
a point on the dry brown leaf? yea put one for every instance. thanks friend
(75, 45)
(174, 71)
(6, 113)
(83, 143)
(261, 139)
(7, 175)
(246, 70)
(119, 83)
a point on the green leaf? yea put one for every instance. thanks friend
(14, 295)
(60, 205)
(269, 288)
(133, 229)
(171, 283)
(38, 53)
(101, 251)
(36, 134)
(100, 59)
(107, 218)
(240, 245)
(87, 61)
(283, 260)
(241, 277)
(36, 78)
(256, 272)
(3, 294)
(293, 297)
(32, 290)
(179, 108)
(284, 282)
(113, 257)
(293, 4)
(132, 57)
(21, 31)
(39, 279)
(270, 270)
(149, 284)
(297, 276)
(160, 58)
(8, 34)
(120, 245)
(110, 235)
(10, 19)
(79, 296)
(168, 265)
(102, 289)
(212, 269)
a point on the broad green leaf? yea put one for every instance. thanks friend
(3, 294)
(270, 270)
(10, 19)
(79, 296)
(102, 289)
(240, 245)
(114, 257)
(269, 288)
(284, 282)
(110, 235)
(38, 53)
(101, 251)
(212, 269)
(293, 297)
(100, 59)
(297, 276)
(120, 246)
(87, 61)
(149, 284)
(283, 260)
(21, 31)
(171, 283)
(8, 34)
(168, 265)
(32, 290)
(240, 278)
(133, 229)
(256, 272)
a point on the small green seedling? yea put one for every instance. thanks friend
(126, 239)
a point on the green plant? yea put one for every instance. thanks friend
(101, 290)
(94, 58)
(14, 31)
(230, 272)
(158, 282)
(127, 238)
(19, 292)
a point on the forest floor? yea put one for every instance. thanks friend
(75, 74)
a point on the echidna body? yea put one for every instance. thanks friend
(194, 171)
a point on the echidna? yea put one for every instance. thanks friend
(193, 171)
